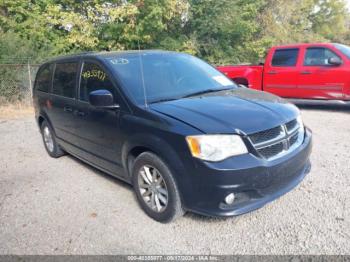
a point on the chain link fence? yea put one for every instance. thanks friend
(16, 81)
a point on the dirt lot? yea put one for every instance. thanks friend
(50, 206)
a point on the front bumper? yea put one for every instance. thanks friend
(253, 180)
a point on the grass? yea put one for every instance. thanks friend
(16, 110)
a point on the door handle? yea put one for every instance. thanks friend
(272, 72)
(305, 73)
(67, 109)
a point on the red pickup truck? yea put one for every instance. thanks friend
(301, 71)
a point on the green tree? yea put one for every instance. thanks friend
(222, 32)
(148, 23)
(69, 25)
(14, 52)
(330, 19)
(287, 22)
(220, 28)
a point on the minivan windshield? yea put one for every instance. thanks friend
(344, 49)
(166, 76)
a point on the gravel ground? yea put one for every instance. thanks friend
(62, 206)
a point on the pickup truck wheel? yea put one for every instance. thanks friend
(155, 188)
(49, 139)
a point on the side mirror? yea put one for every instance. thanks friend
(336, 61)
(102, 98)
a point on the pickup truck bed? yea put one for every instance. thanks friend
(248, 75)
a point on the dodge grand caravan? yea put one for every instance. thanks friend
(184, 135)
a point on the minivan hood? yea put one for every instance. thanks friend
(230, 111)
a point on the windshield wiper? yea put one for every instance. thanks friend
(164, 100)
(189, 95)
(205, 92)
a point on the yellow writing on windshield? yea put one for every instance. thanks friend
(98, 74)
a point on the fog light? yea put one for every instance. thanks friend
(229, 199)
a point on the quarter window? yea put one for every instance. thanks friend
(44, 78)
(65, 79)
(318, 56)
(285, 57)
(93, 77)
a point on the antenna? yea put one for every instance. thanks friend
(142, 76)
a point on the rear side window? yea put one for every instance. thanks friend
(318, 56)
(93, 77)
(65, 79)
(285, 57)
(44, 78)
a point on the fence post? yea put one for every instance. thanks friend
(30, 81)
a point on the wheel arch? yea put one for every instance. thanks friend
(149, 143)
(241, 81)
(132, 154)
(43, 117)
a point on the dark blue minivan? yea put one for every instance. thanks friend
(185, 136)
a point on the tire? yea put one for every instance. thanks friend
(50, 142)
(164, 180)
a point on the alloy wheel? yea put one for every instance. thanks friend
(48, 139)
(153, 188)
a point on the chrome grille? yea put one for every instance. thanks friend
(291, 126)
(293, 139)
(266, 135)
(277, 141)
(270, 151)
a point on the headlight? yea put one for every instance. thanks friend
(301, 124)
(216, 147)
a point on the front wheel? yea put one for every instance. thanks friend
(50, 143)
(155, 188)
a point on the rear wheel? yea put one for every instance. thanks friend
(50, 143)
(155, 188)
